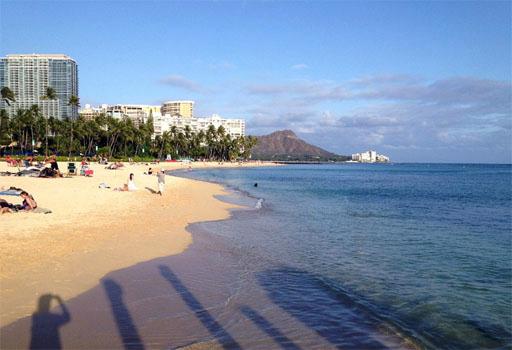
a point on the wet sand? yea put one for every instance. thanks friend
(215, 295)
(93, 231)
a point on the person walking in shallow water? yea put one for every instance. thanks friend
(161, 182)
(45, 324)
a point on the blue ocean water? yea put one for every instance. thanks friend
(424, 249)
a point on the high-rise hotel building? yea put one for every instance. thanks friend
(28, 76)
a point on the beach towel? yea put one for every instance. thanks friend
(10, 192)
(40, 210)
(28, 172)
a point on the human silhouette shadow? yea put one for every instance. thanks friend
(267, 327)
(125, 326)
(215, 329)
(45, 324)
(150, 190)
(331, 314)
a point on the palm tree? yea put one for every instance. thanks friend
(249, 145)
(7, 95)
(74, 101)
(33, 114)
(4, 125)
(51, 95)
(211, 137)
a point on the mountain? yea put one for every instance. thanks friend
(285, 145)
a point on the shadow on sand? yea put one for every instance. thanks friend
(127, 330)
(45, 324)
(267, 327)
(151, 190)
(215, 329)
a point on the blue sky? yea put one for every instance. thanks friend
(419, 81)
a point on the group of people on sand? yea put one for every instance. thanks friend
(130, 185)
(28, 204)
(31, 165)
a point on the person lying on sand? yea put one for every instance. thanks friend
(115, 166)
(53, 164)
(49, 172)
(5, 207)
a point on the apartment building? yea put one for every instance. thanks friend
(234, 127)
(137, 113)
(28, 76)
(183, 109)
(163, 123)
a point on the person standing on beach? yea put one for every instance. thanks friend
(161, 182)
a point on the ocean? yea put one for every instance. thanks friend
(369, 255)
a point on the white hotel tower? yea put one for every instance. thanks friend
(29, 75)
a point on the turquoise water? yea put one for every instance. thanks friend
(425, 249)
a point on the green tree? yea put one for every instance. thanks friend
(5, 130)
(51, 95)
(74, 101)
(7, 95)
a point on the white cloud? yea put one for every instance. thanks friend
(182, 83)
(299, 66)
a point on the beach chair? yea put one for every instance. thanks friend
(71, 169)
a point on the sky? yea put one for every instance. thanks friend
(417, 81)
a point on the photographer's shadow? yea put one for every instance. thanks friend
(45, 324)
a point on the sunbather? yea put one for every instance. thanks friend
(49, 172)
(130, 186)
(29, 203)
(5, 207)
(114, 166)
(54, 164)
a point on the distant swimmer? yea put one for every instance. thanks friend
(255, 184)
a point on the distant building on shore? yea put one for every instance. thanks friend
(164, 123)
(183, 109)
(234, 127)
(137, 113)
(369, 157)
(28, 76)
(88, 112)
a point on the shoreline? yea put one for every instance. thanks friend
(93, 231)
(197, 300)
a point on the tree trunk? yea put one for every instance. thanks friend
(70, 141)
(46, 138)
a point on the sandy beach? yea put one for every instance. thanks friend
(92, 231)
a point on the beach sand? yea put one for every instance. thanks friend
(92, 231)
